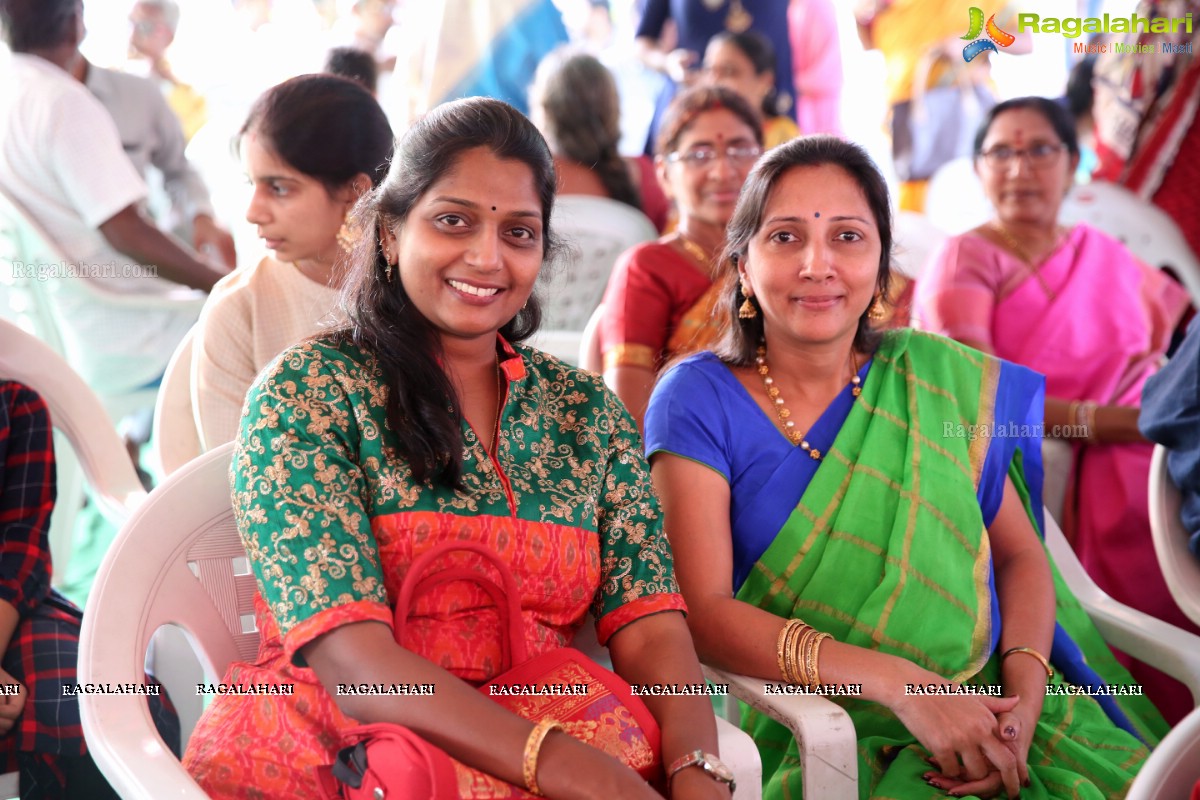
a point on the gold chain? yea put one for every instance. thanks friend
(695, 251)
(1021, 253)
(781, 409)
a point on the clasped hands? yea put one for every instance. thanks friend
(979, 744)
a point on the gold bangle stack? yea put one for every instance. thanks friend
(533, 746)
(799, 652)
(1029, 651)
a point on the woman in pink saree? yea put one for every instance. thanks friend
(1074, 304)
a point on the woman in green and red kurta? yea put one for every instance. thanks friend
(421, 423)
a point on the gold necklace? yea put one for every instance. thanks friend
(1023, 254)
(781, 410)
(695, 251)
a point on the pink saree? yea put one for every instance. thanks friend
(1096, 323)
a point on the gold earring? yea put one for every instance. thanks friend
(747, 309)
(347, 236)
(387, 261)
(877, 312)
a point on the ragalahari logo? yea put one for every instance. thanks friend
(995, 36)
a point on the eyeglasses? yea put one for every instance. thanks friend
(1039, 155)
(701, 157)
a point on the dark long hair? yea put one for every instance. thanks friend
(743, 335)
(575, 103)
(327, 127)
(382, 318)
(761, 54)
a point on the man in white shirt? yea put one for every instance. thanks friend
(153, 138)
(61, 160)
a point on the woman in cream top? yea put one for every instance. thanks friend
(311, 147)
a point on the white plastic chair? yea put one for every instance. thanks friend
(916, 239)
(96, 455)
(172, 564)
(1147, 230)
(179, 561)
(825, 732)
(44, 305)
(176, 437)
(954, 199)
(1174, 766)
(597, 230)
(590, 357)
(1180, 568)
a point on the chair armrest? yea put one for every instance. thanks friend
(740, 754)
(136, 762)
(823, 730)
(1157, 643)
(1149, 639)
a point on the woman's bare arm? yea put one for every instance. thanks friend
(658, 650)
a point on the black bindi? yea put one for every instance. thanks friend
(816, 214)
(493, 208)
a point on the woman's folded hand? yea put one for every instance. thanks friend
(963, 735)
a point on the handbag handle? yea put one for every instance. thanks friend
(505, 595)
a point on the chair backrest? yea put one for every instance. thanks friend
(77, 413)
(176, 438)
(1173, 767)
(1160, 644)
(916, 239)
(955, 201)
(590, 357)
(1180, 567)
(26, 251)
(597, 230)
(1147, 230)
(178, 561)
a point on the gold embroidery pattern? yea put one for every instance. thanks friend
(317, 460)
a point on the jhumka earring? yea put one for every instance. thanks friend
(877, 311)
(387, 261)
(747, 309)
(347, 236)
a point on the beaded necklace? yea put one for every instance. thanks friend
(781, 409)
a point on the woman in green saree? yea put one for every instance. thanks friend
(885, 490)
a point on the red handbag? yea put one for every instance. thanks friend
(603, 712)
(388, 761)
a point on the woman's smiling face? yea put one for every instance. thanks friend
(470, 249)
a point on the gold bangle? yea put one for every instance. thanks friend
(814, 664)
(533, 746)
(1089, 420)
(785, 635)
(1072, 416)
(1029, 651)
(792, 653)
(800, 670)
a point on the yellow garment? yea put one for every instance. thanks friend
(911, 196)
(778, 130)
(189, 107)
(907, 30)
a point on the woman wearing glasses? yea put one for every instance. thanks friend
(1075, 305)
(659, 301)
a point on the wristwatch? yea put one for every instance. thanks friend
(712, 766)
